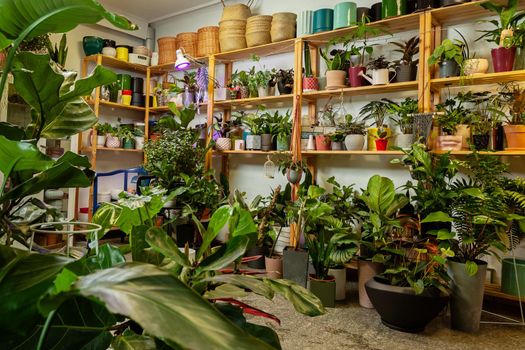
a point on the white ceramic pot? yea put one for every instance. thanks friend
(239, 145)
(475, 66)
(112, 141)
(253, 142)
(354, 142)
(263, 91)
(104, 197)
(311, 143)
(139, 142)
(50, 195)
(340, 282)
(101, 140)
(109, 51)
(223, 144)
(404, 140)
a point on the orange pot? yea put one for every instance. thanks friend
(515, 135)
(322, 143)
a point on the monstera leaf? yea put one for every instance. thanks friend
(25, 19)
(58, 109)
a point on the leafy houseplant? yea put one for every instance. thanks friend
(379, 70)
(406, 67)
(378, 112)
(513, 99)
(58, 53)
(102, 131)
(453, 114)
(127, 137)
(310, 82)
(254, 122)
(503, 35)
(355, 131)
(449, 55)
(335, 73)
(285, 81)
(284, 131)
(403, 116)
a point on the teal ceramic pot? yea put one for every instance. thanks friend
(345, 14)
(323, 20)
(92, 45)
(304, 23)
(393, 8)
(128, 144)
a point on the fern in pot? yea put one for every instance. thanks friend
(403, 117)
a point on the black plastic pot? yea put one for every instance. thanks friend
(284, 89)
(137, 85)
(375, 12)
(362, 11)
(324, 290)
(401, 309)
(295, 265)
(259, 263)
(481, 142)
(138, 99)
(498, 138)
(422, 5)
(406, 72)
(411, 6)
(185, 234)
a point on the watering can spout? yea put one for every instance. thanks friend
(368, 78)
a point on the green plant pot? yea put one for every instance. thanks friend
(393, 8)
(283, 144)
(128, 144)
(508, 277)
(324, 290)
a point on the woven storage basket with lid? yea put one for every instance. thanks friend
(167, 49)
(283, 26)
(208, 41)
(188, 42)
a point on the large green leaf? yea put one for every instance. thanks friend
(219, 218)
(380, 193)
(252, 283)
(224, 256)
(21, 156)
(164, 244)
(22, 286)
(302, 299)
(130, 340)
(11, 131)
(165, 308)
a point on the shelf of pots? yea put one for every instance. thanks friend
(267, 132)
(112, 62)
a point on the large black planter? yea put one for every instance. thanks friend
(284, 89)
(185, 234)
(295, 265)
(401, 309)
(259, 263)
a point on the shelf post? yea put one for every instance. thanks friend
(425, 27)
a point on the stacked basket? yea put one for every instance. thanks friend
(283, 26)
(208, 41)
(167, 49)
(232, 27)
(258, 30)
(188, 42)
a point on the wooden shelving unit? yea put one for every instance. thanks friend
(352, 153)
(269, 101)
(111, 62)
(249, 153)
(481, 79)
(363, 90)
(494, 290)
(119, 106)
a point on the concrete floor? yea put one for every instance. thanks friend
(348, 326)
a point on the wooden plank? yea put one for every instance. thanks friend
(363, 90)
(426, 52)
(165, 68)
(422, 66)
(286, 46)
(107, 149)
(118, 106)
(112, 62)
(269, 101)
(494, 290)
(481, 79)
(211, 97)
(250, 153)
(347, 153)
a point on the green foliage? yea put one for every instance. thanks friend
(455, 111)
(377, 111)
(307, 61)
(352, 126)
(357, 41)
(408, 49)
(448, 50)
(404, 113)
(58, 53)
(335, 62)
(509, 18)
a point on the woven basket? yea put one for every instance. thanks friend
(208, 41)
(283, 26)
(237, 11)
(258, 38)
(232, 35)
(167, 49)
(188, 42)
(284, 17)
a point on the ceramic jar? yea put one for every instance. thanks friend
(345, 14)
(92, 45)
(323, 20)
(304, 23)
(223, 144)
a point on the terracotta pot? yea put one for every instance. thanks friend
(322, 143)
(503, 59)
(476, 66)
(463, 130)
(515, 135)
(274, 266)
(366, 271)
(449, 143)
(335, 79)
(310, 84)
(354, 77)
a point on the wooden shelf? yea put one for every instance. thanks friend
(348, 153)
(391, 25)
(119, 106)
(170, 67)
(164, 109)
(463, 13)
(247, 153)
(363, 90)
(496, 154)
(479, 79)
(286, 46)
(118, 64)
(89, 150)
(494, 290)
(272, 101)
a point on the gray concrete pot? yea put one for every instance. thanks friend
(266, 142)
(448, 68)
(406, 72)
(295, 265)
(467, 296)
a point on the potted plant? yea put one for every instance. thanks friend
(355, 131)
(190, 87)
(380, 71)
(513, 96)
(483, 118)
(310, 83)
(335, 74)
(138, 138)
(284, 130)
(270, 126)
(403, 117)
(449, 56)
(406, 67)
(294, 170)
(255, 124)
(113, 138)
(336, 139)
(263, 79)
(241, 81)
(323, 142)
(285, 80)
(453, 119)
(221, 135)
(378, 112)
(127, 137)
(378, 206)
(472, 65)
(102, 131)
(503, 35)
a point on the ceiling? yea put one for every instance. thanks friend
(155, 10)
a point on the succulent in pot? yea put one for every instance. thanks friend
(379, 69)
(449, 56)
(503, 35)
(406, 67)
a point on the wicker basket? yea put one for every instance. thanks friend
(232, 35)
(188, 42)
(167, 49)
(237, 11)
(258, 30)
(283, 26)
(208, 41)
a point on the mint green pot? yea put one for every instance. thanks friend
(345, 14)
(393, 8)
(508, 277)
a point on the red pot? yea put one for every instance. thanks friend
(310, 84)
(323, 143)
(503, 59)
(354, 79)
(381, 144)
